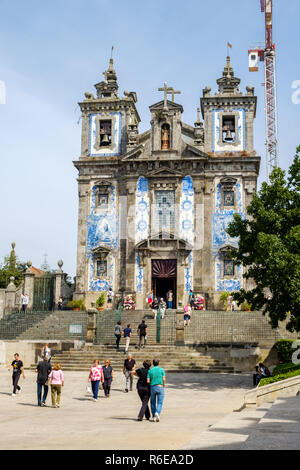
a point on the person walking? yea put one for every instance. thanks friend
(170, 299)
(46, 351)
(25, 302)
(143, 389)
(108, 377)
(187, 315)
(191, 300)
(96, 377)
(56, 377)
(118, 333)
(60, 303)
(17, 368)
(156, 377)
(43, 370)
(110, 296)
(142, 332)
(149, 299)
(154, 307)
(127, 333)
(129, 366)
(162, 307)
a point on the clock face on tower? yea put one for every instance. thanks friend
(105, 134)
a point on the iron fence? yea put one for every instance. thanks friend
(229, 327)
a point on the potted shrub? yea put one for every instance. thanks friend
(100, 301)
(77, 304)
(245, 307)
(224, 298)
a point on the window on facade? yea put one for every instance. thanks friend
(228, 198)
(101, 268)
(102, 200)
(105, 133)
(164, 217)
(228, 267)
(228, 129)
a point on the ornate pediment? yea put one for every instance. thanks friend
(190, 149)
(165, 172)
(171, 106)
(101, 251)
(164, 242)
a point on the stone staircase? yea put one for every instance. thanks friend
(18, 323)
(172, 358)
(272, 426)
(56, 326)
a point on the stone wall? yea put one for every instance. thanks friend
(2, 302)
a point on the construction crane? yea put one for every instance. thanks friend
(267, 55)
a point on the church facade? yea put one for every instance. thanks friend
(154, 206)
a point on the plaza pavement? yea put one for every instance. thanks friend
(193, 403)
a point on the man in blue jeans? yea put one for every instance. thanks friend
(156, 377)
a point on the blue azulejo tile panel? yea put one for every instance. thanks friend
(142, 210)
(187, 210)
(139, 275)
(102, 231)
(188, 275)
(220, 238)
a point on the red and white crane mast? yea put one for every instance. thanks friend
(267, 55)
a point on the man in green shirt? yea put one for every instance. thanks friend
(156, 377)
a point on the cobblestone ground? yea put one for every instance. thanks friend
(193, 402)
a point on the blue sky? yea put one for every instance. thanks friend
(52, 52)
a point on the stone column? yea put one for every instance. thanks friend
(10, 296)
(130, 251)
(58, 283)
(81, 270)
(179, 339)
(91, 324)
(29, 284)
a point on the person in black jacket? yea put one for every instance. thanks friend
(261, 373)
(143, 389)
(43, 370)
(108, 374)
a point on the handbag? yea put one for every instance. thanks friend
(88, 388)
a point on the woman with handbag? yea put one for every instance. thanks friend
(96, 377)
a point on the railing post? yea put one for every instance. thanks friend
(10, 296)
(158, 318)
(179, 339)
(29, 285)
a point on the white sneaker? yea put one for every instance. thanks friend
(157, 417)
(153, 419)
(19, 391)
(13, 394)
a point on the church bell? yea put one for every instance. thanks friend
(228, 136)
(105, 140)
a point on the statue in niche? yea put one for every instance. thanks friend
(165, 137)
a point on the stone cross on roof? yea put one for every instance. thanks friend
(168, 91)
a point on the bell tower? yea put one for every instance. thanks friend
(107, 118)
(229, 116)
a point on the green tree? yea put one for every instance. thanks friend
(11, 266)
(269, 242)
